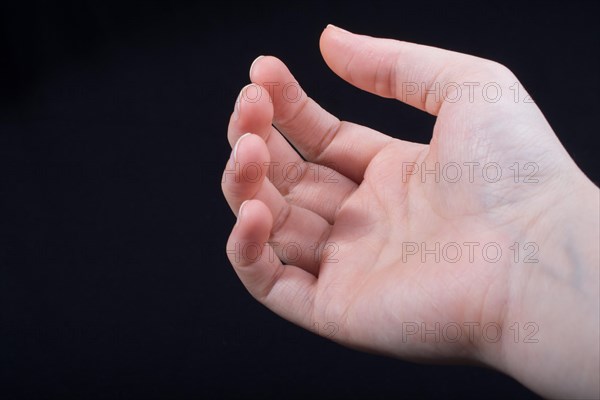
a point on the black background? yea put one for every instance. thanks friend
(113, 277)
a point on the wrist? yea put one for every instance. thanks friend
(551, 319)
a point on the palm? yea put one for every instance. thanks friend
(398, 215)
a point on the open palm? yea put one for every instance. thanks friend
(391, 246)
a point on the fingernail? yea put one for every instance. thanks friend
(252, 65)
(241, 211)
(337, 28)
(235, 147)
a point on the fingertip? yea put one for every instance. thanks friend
(238, 101)
(250, 149)
(241, 211)
(335, 28)
(250, 232)
(253, 64)
(246, 170)
(331, 31)
(234, 152)
(258, 65)
(323, 37)
(330, 44)
(266, 70)
(254, 214)
(253, 112)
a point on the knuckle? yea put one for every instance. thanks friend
(492, 70)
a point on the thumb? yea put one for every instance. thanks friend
(422, 76)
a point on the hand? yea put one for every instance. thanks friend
(352, 231)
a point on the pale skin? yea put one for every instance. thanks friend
(350, 208)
